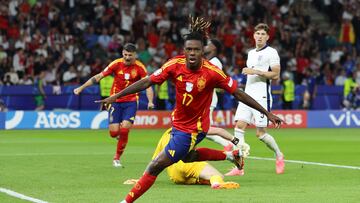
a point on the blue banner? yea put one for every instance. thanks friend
(333, 119)
(97, 120)
(56, 119)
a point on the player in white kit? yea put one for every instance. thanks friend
(263, 65)
(211, 51)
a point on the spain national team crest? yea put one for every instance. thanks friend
(133, 73)
(201, 82)
(127, 76)
(189, 86)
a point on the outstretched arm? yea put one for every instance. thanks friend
(246, 99)
(133, 88)
(95, 79)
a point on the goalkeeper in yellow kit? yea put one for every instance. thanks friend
(194, 173)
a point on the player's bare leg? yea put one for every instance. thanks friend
(217, 135)
(216, 179)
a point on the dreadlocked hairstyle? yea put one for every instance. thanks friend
(198, 28)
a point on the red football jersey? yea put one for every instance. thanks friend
(124, 76)
(194, 90)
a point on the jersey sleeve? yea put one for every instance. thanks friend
(162, 74)
(110, 68)
(141, 69)
(227, 83)
(274, 58)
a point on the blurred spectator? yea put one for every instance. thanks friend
(143, 53)
(352, 100)
(302, 64)
(19, 61)
(356, 25)
(3, 107)
(105, 88)
(310, 82)
(340, 78)
(349, 84)
(39, 91)
(347, 34)
(349, 63)
(126, 21)
(335, 54)
(241, 81)
(357, 74)
(70, 76)
(90, 38)
(104, 39)
(11, 77)
(162, 96)
(152, 67)
(40, 64)
(288, 91)
(25, 80)
(3, 54)
(84, 71)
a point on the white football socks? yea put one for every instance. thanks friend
(238, 133)
(229, 155)
(271, 143)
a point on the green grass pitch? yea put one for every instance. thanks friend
(76, 166)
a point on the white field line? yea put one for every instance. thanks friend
(250, 157)
(20, 196)
(307, 163)
(55, 154)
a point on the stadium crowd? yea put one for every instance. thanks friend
(73, 40)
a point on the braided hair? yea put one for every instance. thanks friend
(198, 28)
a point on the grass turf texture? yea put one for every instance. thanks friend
(75, 166)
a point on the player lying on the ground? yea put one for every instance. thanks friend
(195, 173)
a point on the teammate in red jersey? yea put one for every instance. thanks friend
(126, 71)
(195, 79)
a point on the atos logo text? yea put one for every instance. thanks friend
(57, 120)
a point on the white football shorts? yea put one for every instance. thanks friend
(252, 116)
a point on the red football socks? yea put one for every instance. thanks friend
(145, 182)
(123, 140)
(207, 154)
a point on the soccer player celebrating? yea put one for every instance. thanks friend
(195, 79)
(263, 65)
(126, 71)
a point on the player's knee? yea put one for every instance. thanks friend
(155, 167)
(241, 125)
(260, 133)
(114, 134)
